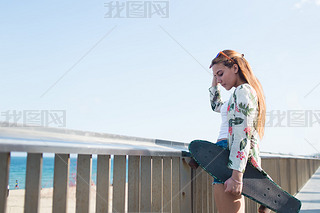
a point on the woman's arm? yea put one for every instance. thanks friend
(215, 97)
(241, 127)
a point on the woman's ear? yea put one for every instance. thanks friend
(235, 68)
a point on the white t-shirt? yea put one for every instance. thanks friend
(224, 121)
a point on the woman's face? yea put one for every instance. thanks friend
(226, 76)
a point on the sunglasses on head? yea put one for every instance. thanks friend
(225, 55)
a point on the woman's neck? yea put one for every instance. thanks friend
(239, 82)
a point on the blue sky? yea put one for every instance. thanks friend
(149, 77)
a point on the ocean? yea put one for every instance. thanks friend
(18, 171)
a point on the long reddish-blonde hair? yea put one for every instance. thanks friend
(246, 74)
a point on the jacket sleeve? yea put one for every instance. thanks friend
(241, 125)
(215, 98)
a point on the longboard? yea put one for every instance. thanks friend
(256, 184)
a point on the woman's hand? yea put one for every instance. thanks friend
(233, 187)
(234, 184)
(214, 82)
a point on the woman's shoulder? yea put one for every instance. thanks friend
(245, 88)
(245, 91)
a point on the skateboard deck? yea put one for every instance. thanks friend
(256, 184)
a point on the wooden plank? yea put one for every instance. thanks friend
(185, 186)
(4, 180)
(293, 176)
(278, 172)
(175, 184)
(60, 183)
(145, 205)
(306, 171)
(271, 167)
(215, 209)
(284, 168)
(313, 166)
(83, 183)
(294, 184)
(167, 183)
(310, 168)
(210, 196)
(156, 184)
(250, 205)
(103, 183)
(133, 183)
(204, 192)
(119, 183)
(194, 189)
(303, 169)
(300, 173)
(33, 183)
(246, 203)
(214, 206)
(199, 189)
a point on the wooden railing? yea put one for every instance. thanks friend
(159, 178)
(290, 172)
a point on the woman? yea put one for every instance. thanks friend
(245, 119)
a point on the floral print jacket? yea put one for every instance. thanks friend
(243, 138)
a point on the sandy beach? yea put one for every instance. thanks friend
(15, 203)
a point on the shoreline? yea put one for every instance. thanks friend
(15, 201)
